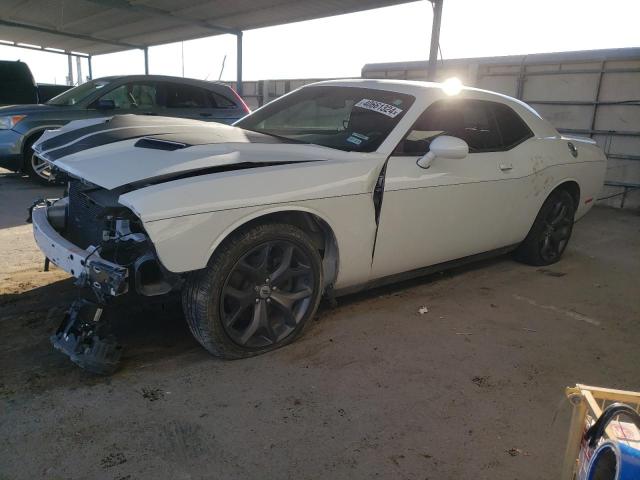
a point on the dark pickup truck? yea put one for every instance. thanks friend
(17, 86)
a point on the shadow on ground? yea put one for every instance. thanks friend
(455, 375)
(17, 194)
(150, 331)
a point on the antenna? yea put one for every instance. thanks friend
(222, 68)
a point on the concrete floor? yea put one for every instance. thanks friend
(471, 389)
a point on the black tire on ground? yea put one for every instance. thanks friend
(32, 164)
(258, 292)
(550, 232)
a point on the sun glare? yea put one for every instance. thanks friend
(452, 86)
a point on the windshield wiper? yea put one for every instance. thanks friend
(281, 137)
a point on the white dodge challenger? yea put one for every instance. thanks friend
(337, 186)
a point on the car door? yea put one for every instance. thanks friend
(140, 98)
(187, 101)
(456, 207)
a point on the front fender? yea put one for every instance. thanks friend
(186, 243)
(37, 129)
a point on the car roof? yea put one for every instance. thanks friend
(165, 78)
(436, 91)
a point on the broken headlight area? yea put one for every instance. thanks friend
(122, 257)
(104, 245)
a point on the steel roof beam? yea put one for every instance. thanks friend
(77, 36)
(43, 49)
(158, 12)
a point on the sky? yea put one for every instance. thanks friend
(340, 46)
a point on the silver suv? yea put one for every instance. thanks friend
(22, 125)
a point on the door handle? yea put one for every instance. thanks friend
(505, 167)
(204, 114)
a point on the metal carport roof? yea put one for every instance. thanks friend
(96, 27)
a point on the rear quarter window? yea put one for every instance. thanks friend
(220, 101)
(513, 129)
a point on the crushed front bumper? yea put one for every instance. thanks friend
(105, 278)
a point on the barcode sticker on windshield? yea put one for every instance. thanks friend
(380, 107)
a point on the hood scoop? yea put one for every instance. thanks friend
(159, 144)
(133, 150)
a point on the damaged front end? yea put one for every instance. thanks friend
(101, 243)
(104, 246)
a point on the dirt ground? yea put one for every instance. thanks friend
(471, 388)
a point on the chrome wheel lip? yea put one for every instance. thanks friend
(272, 303)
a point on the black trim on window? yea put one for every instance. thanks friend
(491, 109)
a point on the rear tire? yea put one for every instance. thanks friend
(258, 292)
(550, 232)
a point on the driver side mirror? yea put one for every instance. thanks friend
(444, 146)
(104, 104)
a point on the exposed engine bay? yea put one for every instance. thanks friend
(91, 218)
(104, 246)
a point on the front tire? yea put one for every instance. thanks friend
(258, 292)
(550, 232)
(37, 169)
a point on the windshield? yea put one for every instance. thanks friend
(79, 93)
(346, 118)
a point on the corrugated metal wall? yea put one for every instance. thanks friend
(590, 93)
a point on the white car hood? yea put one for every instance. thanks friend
(128, 150)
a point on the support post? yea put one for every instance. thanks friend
(239, 88)
(90, 68)
(146, 60)
(597, 100)
(435, 39)
(79, 70)
(70, 75)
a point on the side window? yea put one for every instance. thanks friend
(477, 122)
(220, 101)
(120, 96)
(513, 129)
(133, 96)
(185, 96)
(145, 95)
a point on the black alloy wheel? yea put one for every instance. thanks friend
(557, 230)
(267, 294)
(551, 231)
(258, 292)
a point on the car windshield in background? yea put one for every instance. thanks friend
(346, 118)
(79, 93)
